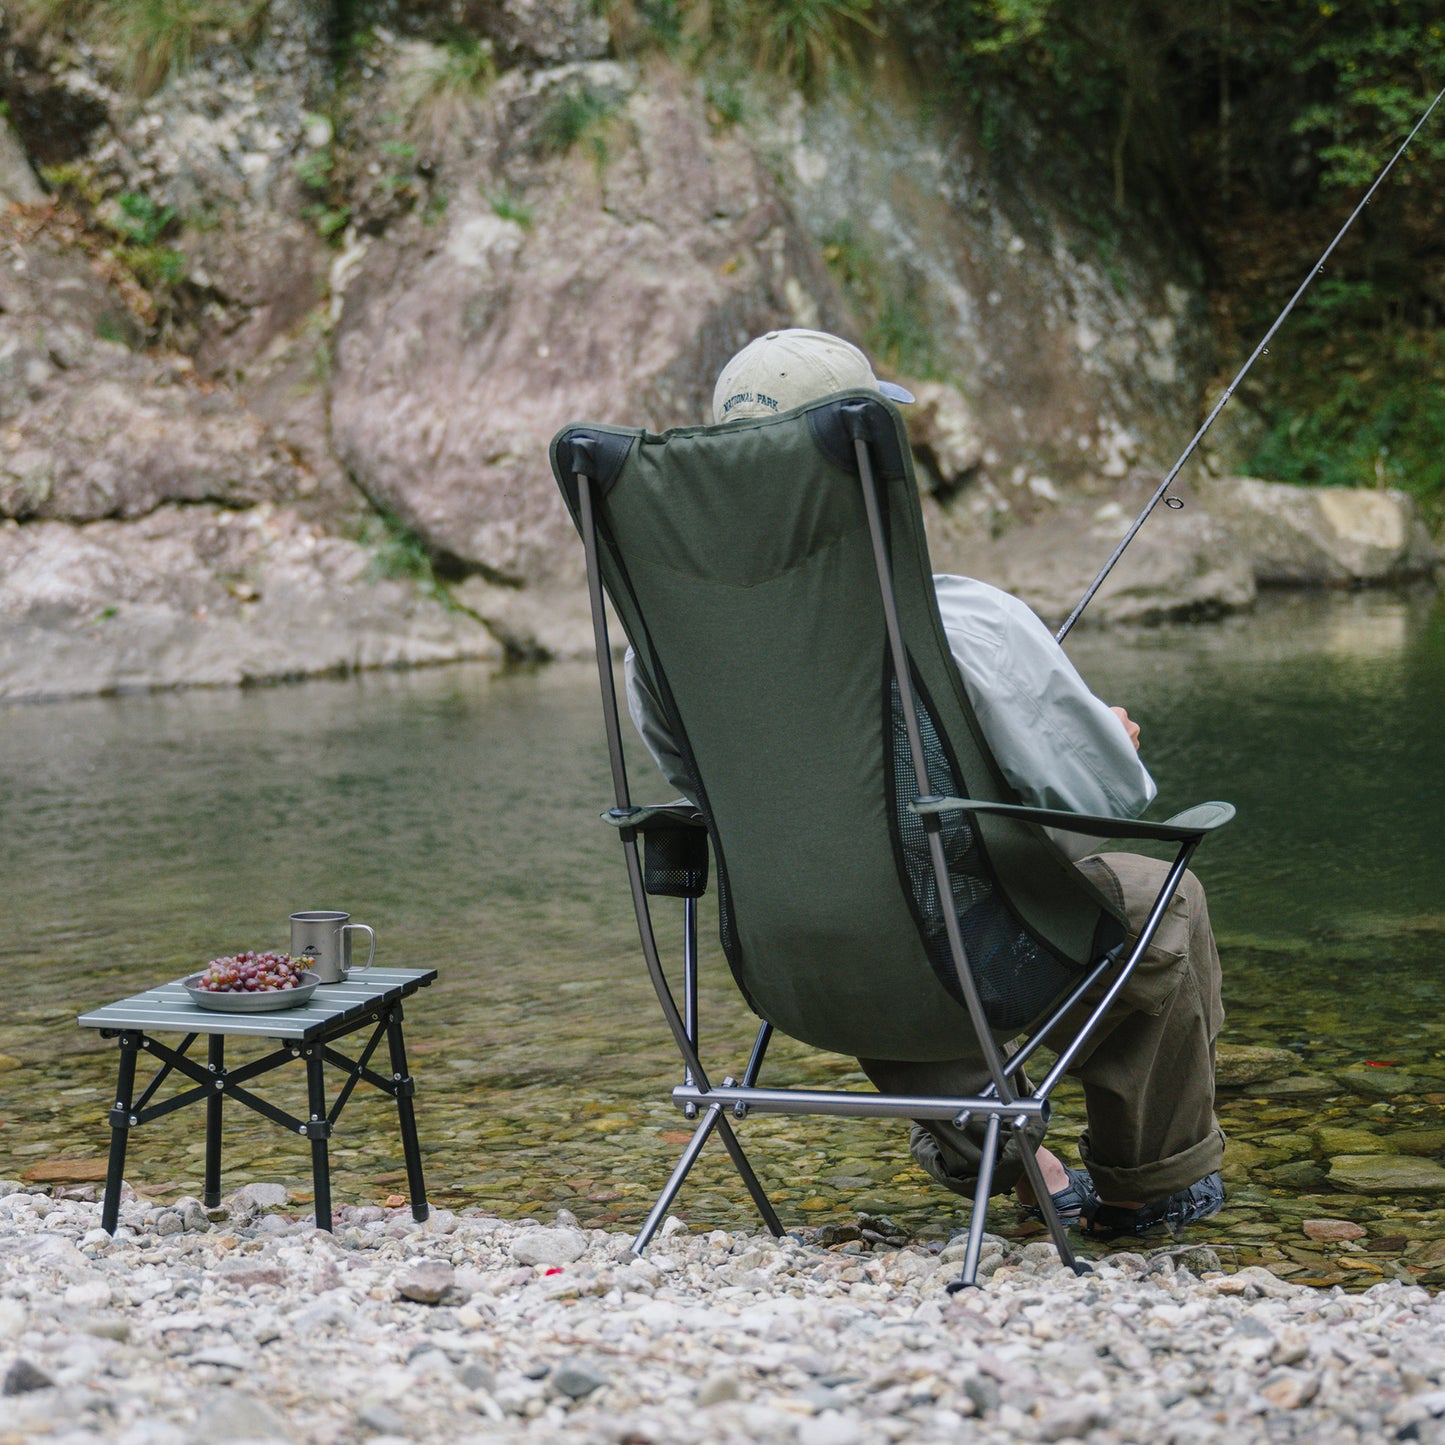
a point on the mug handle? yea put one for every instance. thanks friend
(372, 933)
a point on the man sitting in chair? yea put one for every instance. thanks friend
(1153, 1147)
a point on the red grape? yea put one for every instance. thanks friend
(251, 972)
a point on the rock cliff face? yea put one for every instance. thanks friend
(283, 343)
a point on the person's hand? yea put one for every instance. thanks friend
(1130, 726)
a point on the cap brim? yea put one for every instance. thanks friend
(894, 392)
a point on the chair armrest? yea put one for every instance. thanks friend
(1193, 822)
(679, 814)
(675, 847)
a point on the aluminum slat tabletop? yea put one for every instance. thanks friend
(169, 1008)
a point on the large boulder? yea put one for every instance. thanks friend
(1324, 536)
(102, 446)
(204, 595)
(1232, 536)
(219, 162)
(1182, 564)
(95, 427)
(1080, 357)
(638, 265)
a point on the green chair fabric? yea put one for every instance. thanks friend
(739, 561)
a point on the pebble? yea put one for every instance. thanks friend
(268, 1329)
(1387, 1174)
(576, 1380)
(551, 1247)
(426, 1283)
(1333, 1229)
(22, 1377)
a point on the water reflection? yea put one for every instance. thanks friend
(455, 812)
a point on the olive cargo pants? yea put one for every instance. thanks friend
(1147, 1070)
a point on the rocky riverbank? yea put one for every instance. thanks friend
(246, 1323)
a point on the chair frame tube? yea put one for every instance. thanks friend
(854, 414)
(683, 1030)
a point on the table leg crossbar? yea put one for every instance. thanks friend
(215, 1083)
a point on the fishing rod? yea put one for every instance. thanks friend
(1219, 406)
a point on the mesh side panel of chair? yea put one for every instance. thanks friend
(675, 862)
(1017, 978)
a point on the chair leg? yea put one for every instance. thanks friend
(969, 1278)
(1057, 1232)
(658, 1212)
(755, 1188)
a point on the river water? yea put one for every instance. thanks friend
(455, 811)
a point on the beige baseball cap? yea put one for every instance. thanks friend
(784, 369)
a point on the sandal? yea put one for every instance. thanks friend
(1188, 1206)
(1068, 1201)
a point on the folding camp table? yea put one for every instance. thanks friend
(370, 996)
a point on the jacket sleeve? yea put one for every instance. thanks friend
(1057, 743)
(651, 724)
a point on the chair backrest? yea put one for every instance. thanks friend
(739, 560)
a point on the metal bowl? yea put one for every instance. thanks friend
(253, 1003)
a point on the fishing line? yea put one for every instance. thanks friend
(1219, 406)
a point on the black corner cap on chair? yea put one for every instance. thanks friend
(834, 426)
(600, 454)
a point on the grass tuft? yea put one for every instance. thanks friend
(576, 113)
(441, 95)
(155, 38)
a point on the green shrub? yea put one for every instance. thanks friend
(1364, 410)
(572, 114)
(143, 220)
(727, 102)
(142, 223)
(510, 208)
(316, 170)
(805, 39)
(398, 553)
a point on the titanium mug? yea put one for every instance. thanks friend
(321, 941)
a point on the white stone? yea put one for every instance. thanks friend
(93, 1294)
(260, 1196)
(830, 1428)
(12, 1319)
(549, 1246)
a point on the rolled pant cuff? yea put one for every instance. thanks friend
(1157, 1181)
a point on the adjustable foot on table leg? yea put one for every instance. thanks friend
(320, 1156)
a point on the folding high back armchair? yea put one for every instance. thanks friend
(882, 892)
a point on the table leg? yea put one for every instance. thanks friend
(211, 1192)
(318, 1132)
(119, 1132)
(406, 1116)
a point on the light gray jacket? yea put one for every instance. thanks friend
(1056, 742)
